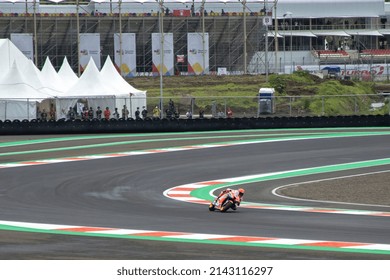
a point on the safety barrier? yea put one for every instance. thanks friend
(62, 126)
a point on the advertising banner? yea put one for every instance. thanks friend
(162, 62)
(24, 42)
(89, 47)
(127, 62)
(198, 53)
(360, 70)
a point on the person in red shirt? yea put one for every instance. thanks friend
(107, 113)
(229, 113)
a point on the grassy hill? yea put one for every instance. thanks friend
(297, 84)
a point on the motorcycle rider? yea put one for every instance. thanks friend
(236, 194)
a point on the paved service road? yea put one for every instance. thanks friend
(126, 192)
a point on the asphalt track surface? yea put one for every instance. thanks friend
(127, 193)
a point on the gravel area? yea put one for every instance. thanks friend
(364, 189)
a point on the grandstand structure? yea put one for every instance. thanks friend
(247, 36)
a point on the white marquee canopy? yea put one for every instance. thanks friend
(23, 87)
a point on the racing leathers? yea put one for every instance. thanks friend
(235, 194)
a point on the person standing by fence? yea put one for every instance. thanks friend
(116, 114)
(229, 113)
(156, 112)
(144, 112)
(125, 112)
(99, 113)
(107, 113)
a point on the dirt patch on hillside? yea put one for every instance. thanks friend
(196, 81)
(187, 84)
(190, 82)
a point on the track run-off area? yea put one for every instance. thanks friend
(270, 160)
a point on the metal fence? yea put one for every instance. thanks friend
(215, 107)
(253, 106)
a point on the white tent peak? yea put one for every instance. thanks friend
(67, 75)
(15, 85)
(47, 66)
(111, 76)
(108, 65)
(50, 77)
(35, 78)
(8, 54)
(90, 83)
(19, 85)
(91, 69)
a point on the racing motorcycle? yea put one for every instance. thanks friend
(230, 201)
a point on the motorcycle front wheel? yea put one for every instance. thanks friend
(211, 207)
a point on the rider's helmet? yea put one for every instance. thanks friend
(241, 191)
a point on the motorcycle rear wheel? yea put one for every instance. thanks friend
(226, 207)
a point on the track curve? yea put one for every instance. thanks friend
(125, 191)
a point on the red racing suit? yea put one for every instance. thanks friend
(224, 195)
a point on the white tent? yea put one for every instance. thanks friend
(69, 78)
(112, 76)
(135, 98)
(50, 77)
(18, 99)
(23, 87)
(34, 78)
(8, 54)
(91, 90)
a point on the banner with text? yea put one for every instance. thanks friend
(24, 42)
(89, 47)
(127, 61)
(352, 70)
(198, 53)
(165, 61)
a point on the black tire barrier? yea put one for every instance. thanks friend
(63, 126)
